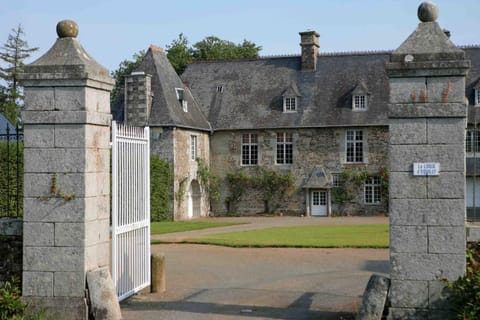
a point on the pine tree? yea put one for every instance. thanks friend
(13, 53)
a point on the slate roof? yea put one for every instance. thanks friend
(166, 109)
(318, 179)
(253, 89)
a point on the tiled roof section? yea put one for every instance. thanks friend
(252, 95)
(166, 108)
(317, 179)
(291, 91)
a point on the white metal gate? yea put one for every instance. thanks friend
(130, 209)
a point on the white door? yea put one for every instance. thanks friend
(319, 203)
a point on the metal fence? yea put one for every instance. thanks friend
(11, 171)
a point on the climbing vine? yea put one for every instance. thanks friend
(208, 180)
(352, 180)
(271, 184)
(180, 194)
(238, 183)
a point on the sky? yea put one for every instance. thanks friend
(113, 30)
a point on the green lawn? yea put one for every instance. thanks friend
(170, 226)
(323, 236)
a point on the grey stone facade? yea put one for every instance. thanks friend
(311, 147)
(427, 125)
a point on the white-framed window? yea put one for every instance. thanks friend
(289, 104)
(220, 89)
(372, 190)
(193, 147)
(181, 98)
(249, 149)
(180, 93)
(359, 102)
(284, 148)
(477, 97)
(336, 180)
(354, 146)
(472, 140)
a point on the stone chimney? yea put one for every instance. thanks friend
(309, 41)
(138, 98)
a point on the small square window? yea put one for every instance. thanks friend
(359, 102)
(290, 104)
(219, 88)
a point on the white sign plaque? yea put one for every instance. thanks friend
(426, 169)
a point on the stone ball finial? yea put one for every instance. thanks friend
(427, 11)
(67, 29)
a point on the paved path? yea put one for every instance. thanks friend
(220, 283)
(210, 282)
(255, 223)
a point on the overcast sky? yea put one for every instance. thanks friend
(113, 30)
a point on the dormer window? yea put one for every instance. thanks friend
(291, 97)
(359, 102)
(181, 98)
(360, 96)
(289, 104)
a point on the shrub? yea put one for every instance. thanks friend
(160, 189)
(11, 304)
(238, 182)
(9, 165)
(464, 297)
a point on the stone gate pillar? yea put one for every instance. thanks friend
(67, 134)
(427, 159)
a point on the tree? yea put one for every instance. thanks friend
(14, 53)
(215, 48)
(179, 54)
(125, 68)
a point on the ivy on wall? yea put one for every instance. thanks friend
(352, 181)
(271, 184)
(161, 176)
(208, 181)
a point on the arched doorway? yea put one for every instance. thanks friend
(194, 200)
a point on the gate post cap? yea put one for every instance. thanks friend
(427, 11)
(67, 29)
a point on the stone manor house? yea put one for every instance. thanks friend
(314, 115)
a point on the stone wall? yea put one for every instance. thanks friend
(11, 247)
(311, 147)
